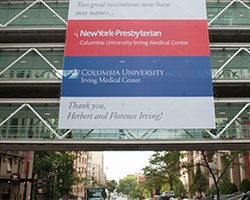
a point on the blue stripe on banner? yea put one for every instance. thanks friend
(136, 76)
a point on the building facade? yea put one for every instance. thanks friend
(32, 38)
(90, 170)
(15, 174)
(97, 168)
(237, 171)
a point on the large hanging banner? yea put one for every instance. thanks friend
(137, 65)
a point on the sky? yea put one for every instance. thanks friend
(118, 164)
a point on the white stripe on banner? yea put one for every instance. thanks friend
(136, 112)
(137, 9)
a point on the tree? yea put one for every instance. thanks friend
(200, 182)
(139, 192)
(56, 170)
(112, 185)
(43, 164)
(228, 159)
(153, 184)
(127, 185)
(228, 187)
(44, 172)
(245, 185)
(164, 167)
(65, 173)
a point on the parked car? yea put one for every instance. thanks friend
(156, 197)
(168, 193)
(246, 196)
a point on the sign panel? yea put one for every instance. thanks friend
(136, 65)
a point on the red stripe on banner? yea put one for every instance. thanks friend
(137, 38)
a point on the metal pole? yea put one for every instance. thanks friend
(222, 11)
(226, 63)
(54, 12)
(26, 179)
(59, 75)
(235, 117)
(43, 121)
(179, 174)
(32, 182)
(15, 61)
(16, 16)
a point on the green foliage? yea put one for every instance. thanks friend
(200, 183)
(147, 193)
(65, 173)
(211, 190)
(112, 185)
(226, 187)
(165, 187)
(43, 164)
(56, 166)
(245, 185)
(132, 188)
(127, 184)
(163, 168)
(137, 192)
(228, 159)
